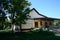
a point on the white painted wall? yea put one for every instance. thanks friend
(34, 14)
(29, 24)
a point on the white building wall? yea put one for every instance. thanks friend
(29, 24)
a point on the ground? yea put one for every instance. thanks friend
(32, 35)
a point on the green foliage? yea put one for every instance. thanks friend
(2, 13)
(4, 31)
(22, 10)
(57, 22)
(19, 10)
(41, 35)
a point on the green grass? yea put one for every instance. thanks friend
(57, 34)
(32, 35)
(5, 31)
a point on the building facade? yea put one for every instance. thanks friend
(38, 20)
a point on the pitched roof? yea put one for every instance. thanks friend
(44, 15)
(38, 12)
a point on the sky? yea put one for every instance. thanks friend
(50, 8)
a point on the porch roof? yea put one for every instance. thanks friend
(44, 17)
(49, 18)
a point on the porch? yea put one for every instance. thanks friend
(43, 22)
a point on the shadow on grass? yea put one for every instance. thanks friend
(32, 35)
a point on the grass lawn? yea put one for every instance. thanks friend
(33, 35)
(57, 34)
(4, 31)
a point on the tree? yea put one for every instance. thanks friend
(19, 10)
(2, 13)
(57, 22)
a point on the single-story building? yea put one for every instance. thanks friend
(38, 20)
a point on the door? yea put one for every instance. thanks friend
(46, 25)
(36, 24)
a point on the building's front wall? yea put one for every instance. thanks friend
(39, 26)
(43, 23)
(48, 23)
(29, 24)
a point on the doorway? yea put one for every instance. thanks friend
(36, 24)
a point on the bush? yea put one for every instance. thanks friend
(32, 35)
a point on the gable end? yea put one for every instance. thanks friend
(39, 13)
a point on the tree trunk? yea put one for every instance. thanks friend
(2, 23)
(20, 28)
